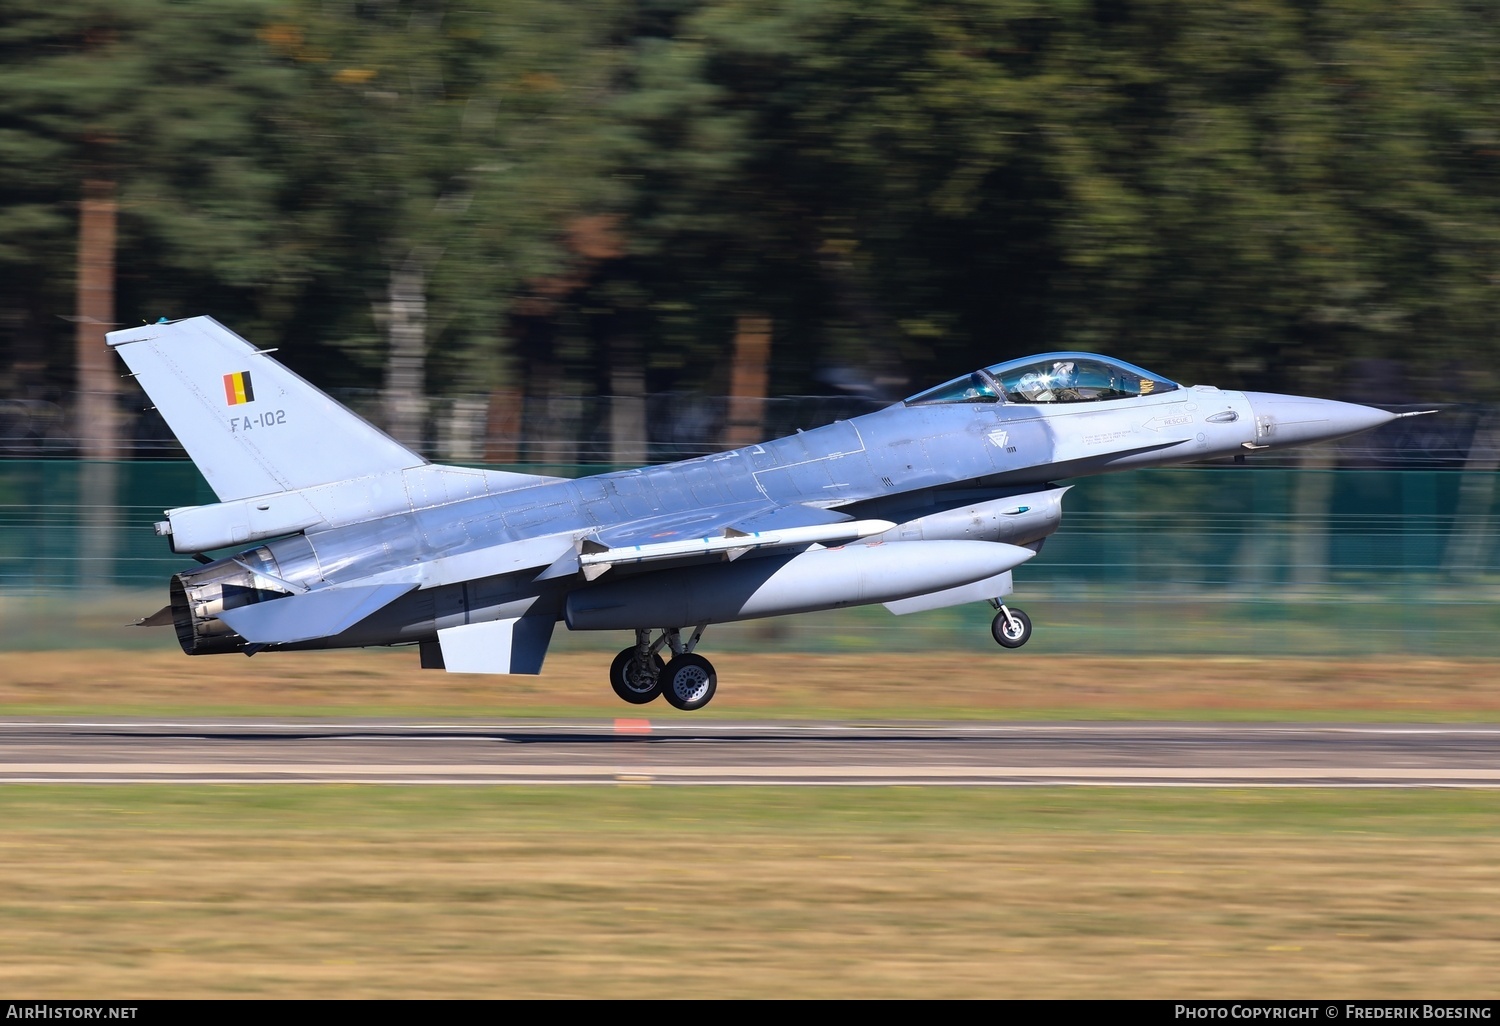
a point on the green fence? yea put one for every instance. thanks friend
(1223, 560)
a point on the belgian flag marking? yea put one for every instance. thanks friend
(237, 388)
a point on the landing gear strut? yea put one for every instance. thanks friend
(639, 674)
(1011, 627)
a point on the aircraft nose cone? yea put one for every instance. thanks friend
(1298, 420)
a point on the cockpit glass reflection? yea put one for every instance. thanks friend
(971, 388)
(1075, 378)
(1054, 378)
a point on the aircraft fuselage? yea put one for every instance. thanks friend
(914, 462)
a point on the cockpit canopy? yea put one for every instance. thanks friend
(1053, 378)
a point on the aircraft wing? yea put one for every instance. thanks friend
(748, 517)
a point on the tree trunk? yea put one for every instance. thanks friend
(502, 432)
(98, 374)
(406, 359)
(97, 411)
(1311, 507)
(1469, 541)
(627, 403)
(748, 381)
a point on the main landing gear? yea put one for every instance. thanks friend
(1011, 627)
(639, 674)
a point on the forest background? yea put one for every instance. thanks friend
(525, 199)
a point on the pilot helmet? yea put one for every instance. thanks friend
(1034, 386)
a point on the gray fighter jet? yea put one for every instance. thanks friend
(350, 539)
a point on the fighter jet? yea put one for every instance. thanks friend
(348, 538)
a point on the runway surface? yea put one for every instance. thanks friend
(716, 752)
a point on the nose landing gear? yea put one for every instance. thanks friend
(1011, 627)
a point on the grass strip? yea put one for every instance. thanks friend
(638, 891)
(942, 685)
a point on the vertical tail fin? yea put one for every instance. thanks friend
(251, 425)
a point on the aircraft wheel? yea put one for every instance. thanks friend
(1008, 634)
(631, 683)
(689, 682)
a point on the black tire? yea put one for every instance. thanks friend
(631, 687)
(1007, 635)
(689, 682)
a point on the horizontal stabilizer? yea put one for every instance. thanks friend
(316, 614)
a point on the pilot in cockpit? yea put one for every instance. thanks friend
(1054, 386)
